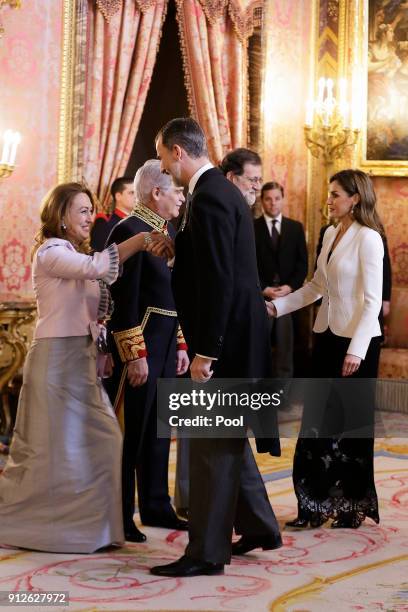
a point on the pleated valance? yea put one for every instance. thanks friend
(241, 12)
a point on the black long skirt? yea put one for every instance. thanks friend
(334, 475)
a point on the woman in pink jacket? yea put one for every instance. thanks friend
(60, 489)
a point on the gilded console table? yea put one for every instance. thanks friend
(15, 314)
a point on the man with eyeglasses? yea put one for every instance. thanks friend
(243, 167)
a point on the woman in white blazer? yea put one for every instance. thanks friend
(333, 476)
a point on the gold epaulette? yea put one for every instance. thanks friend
(130, 344)
(181, 343)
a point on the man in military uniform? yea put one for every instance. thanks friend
(148, 344)
(122, 193)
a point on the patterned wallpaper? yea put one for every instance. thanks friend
(287, 52)
(392, 195)
(30, 57)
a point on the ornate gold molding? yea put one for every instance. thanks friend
(313, 167)
(11, 4)
(67, 91)
(15, 316)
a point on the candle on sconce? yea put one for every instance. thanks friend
(357, 101)
(309, 113)
(329, 97)
(11, 142)
(342, 91)
(13, 150)
(321, 86)
(7, 140)
(343, 104)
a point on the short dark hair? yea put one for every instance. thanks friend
(272, 185)
(185, 132)
(235, 160)
(119, 185)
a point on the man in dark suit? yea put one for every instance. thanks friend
(148, 344)
(223, 317)
(243, 168)
(282, 265)
(123, 197)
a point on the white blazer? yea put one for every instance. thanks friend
(350, 285)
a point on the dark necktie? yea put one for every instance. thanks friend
(274, 235)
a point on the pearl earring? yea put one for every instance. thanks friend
(63, 226)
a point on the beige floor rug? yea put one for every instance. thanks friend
(321, 570)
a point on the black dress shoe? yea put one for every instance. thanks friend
(167, 522)
(247, 543)
(132, 534)
(298, 523)
(317, 520)
(185, 567)
(302, 522)
(347, 521)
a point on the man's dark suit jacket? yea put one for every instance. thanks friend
(290, 261)
(102, 227)
(215, 282)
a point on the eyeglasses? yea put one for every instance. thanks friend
(254, 180)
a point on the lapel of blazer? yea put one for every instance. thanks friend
(344, 242)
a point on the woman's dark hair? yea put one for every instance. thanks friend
(357, 182)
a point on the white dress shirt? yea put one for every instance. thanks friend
(196, 176)
(269, 222)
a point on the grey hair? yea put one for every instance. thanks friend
(147, 178)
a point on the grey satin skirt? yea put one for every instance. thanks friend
(60, 490)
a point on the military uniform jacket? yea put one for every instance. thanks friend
(142, 293)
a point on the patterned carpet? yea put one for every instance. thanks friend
(316, 570)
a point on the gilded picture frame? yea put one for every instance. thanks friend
(375, 55)
(65, 142)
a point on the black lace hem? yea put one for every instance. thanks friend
(335, 507)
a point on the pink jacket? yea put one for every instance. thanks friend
(66, 287)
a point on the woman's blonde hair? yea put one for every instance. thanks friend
(358, 182)
(53, 210)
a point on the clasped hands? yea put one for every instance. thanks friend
(159, 244)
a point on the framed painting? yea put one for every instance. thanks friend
(374, 51)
